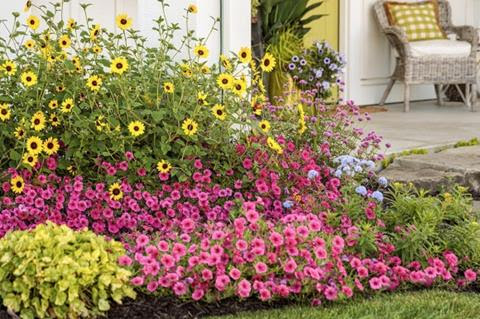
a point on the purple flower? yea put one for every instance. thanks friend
(327, 60)
(291, 66)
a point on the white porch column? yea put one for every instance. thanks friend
(236, 25)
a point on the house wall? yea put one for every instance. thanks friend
(236, 17)
(371, 59)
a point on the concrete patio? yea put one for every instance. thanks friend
(427, 125)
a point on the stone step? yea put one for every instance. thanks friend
(437, 171)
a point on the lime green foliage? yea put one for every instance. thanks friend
(55, 272)
(422, 225)
(255, 5)
(389, 160)
(472, 142)
(284, 45)
(432, 304)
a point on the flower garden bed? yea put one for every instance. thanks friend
(131, 173)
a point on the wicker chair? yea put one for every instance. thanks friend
(442, 71)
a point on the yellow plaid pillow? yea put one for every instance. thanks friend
(418, 19)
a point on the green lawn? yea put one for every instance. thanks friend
(432, 304)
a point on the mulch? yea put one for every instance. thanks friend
(151, 307)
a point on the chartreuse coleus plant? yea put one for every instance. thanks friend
(55, 272)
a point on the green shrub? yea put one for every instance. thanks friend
(422, 225)
(55, 272)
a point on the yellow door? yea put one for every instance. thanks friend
(327, 27)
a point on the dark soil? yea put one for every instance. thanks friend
(151, 307)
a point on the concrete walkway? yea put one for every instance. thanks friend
(427, 125)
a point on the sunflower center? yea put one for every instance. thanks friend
(200, 52)
(219, 112)
(94, 83)
(136, 128)
(4, 112)
(123, 21)
(19, 184)
(266, 62)
(50, 145)
(116, 191)
(30, 159)
(29, 78)
(190, 127)
(8, 68)
(239, 87)
(33, 145)
(36, 122)
(119, 65)
(32, 22)
(225, 81)
(244, 55)
(64, 42)
(165, 166)
(264, 126)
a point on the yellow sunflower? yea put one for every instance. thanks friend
(136, 128)
(202, 98)
(97, 50)
(51, 146)
(27, 6)
(225, 81)
(264, 126)
(123, 21)
(186, 70)
(29, 78)
(268, 62)
(99, 123)
(201, 51)
(227, 65)
(19, 132)
(71, 23)
(54, 120)
(119, 65)
(5, 112)
(67, 105)
(38, 121)
(115, 191)
(18, 184)
(64, 42)
(168, 87)
(245, 55)
(30, 159)
(274, 145)
(239, 87)
(189, 127)
(192, 8)
(33, 22)
(34, 145)
(94, 83)
(9, 67)
(53, 104)
(60, 88)
(94, 32)
(205, 69)
(219, 112)
(29, 44)
(164, 166)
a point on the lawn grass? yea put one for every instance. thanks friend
(431, 304)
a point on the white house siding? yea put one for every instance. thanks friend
(370, 57)
(236, 31)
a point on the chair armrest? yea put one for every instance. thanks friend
(398, 39)
(466, 33)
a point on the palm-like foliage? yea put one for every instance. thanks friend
(277, 15)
